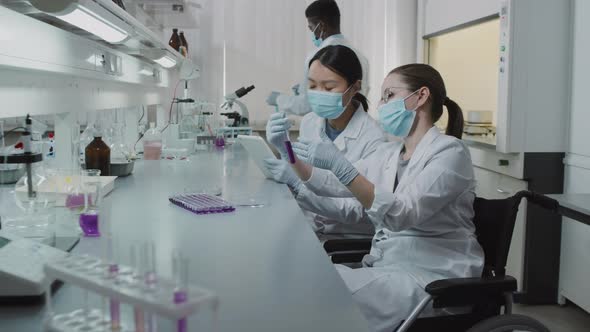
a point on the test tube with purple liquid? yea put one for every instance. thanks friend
(180, 267)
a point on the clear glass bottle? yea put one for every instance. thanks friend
(120, 152)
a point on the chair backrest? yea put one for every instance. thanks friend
(494, 223)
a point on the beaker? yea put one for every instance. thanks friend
(34, 216)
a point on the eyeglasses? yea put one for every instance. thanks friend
(388, 93)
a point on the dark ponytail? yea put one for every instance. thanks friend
(344, 62)
(455, 123)
(418, 75)
(360, 98)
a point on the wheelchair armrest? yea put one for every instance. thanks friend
(338, 245)
(468, 291)
(341, 257)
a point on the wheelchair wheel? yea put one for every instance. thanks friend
(509, 323)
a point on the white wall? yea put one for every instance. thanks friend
(266, 43)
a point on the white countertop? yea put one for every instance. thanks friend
(266, 264)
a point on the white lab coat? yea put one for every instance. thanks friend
(360, 138)
(424, 230)
(298, 105)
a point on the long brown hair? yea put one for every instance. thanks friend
(418, 75)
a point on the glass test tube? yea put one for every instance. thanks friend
(138, 314)
(150, 278)
(180, 267)
(114, 305)
(288, 145)
(113, 275)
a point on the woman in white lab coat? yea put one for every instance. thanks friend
(340, 115)
(418, 193)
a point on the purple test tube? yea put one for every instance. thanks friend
(180, 296)
(290, 152)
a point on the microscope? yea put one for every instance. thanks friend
(240, 118)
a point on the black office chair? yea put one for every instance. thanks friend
(480, 299)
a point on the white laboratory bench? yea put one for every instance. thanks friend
(265, 264)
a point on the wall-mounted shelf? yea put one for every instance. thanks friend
(142, 42)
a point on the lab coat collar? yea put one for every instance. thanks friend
(353, 128)
(425, 143)
(330, 40)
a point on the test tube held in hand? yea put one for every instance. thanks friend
(290, 152)
(288, 146)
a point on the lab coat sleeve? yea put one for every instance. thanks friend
(345, 210)
(444, 178)
(297, 105)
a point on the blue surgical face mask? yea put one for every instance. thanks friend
(395, 118)
(327, 105)
(316, 41)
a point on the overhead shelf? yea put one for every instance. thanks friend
(140, 41)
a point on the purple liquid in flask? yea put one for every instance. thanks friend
(89, 224)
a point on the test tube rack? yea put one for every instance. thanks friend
(201, 203)
(91, 274)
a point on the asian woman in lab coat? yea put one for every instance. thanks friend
(418, 193)
(340, 116)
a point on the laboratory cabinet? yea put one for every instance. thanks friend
(575, 239)
(526, 51)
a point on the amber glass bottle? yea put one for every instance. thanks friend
(98, 155)
(174, 40)
(183, 44)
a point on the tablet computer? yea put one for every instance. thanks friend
(258, 151)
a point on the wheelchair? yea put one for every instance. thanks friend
(480, 300)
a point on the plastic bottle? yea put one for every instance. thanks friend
(152, 143)
(175, 40)
(98, 154)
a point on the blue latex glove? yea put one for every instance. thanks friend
(295, 89)
(277, 129)
(324, 154)
(283, 173)
(272, 98)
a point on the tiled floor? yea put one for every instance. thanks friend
(569, 318)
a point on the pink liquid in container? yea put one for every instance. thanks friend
(152, 143)
(152, 150)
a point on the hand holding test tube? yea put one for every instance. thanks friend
(288, 146)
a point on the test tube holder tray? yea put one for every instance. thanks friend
(90, 274)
